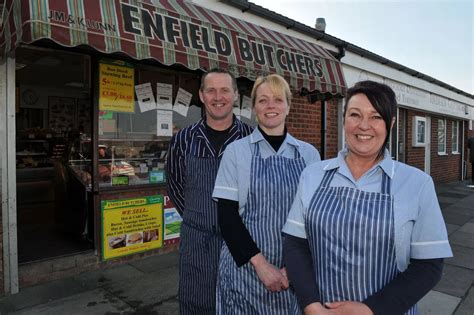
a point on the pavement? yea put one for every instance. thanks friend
(150, 286)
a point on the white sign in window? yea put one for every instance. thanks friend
(419, 131)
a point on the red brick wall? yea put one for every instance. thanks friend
(304, 123)
(444, 168)
(304, 120)
(415, 156)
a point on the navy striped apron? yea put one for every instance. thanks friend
(273, 184)
(200, 242)
(352, 241)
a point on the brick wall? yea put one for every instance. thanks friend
(444, 168)
(304, 120)
(304, 123)
(415, 156)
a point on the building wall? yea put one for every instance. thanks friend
(304, 123)
(415, 156)
(468, 134)
(444, 168)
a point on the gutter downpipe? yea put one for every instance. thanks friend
(324, 125)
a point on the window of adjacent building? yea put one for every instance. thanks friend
(441, 136)
(455, 137)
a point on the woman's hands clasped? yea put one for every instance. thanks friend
(274, 279)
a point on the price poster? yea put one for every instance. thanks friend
(131, 226)
(181, 104)
(116, 87)
(145, 97)
(163, 94)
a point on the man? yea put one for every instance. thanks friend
(470, 145)
(193, 160)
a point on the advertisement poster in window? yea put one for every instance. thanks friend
(62, 112)
(172, 222)
(116, 87)
(131, 225)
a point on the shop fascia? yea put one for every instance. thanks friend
(140, 21)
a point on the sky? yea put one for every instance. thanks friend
(434, 37)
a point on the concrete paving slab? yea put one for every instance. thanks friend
(455, 281)
(166, 308)
(467, 228)
(455, 218)
(92, 302)
(102, 277)
(451, 194)
(462, 239)
(462, 257)
(156, 263)
(459, 209)
(437, 303)
(452, 228)
(40, 294)
(447, 200)
(149, 289)
(467, 305)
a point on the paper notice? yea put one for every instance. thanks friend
(164, 94)
(246, 110)
(164, 123)
(182, 101)
(146, 99)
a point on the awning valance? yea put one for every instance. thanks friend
(172, 32)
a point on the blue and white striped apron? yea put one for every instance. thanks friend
(200, 242)
(352, 241)
(273, 184)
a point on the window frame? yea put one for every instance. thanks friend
(441, 121)
(455, 137)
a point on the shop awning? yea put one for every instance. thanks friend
(172, 32)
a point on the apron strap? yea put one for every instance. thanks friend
(297, 153)
(328, 175)
(255, 148)
(385, 189)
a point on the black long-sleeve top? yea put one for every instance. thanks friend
(404, 291)
(238, 239)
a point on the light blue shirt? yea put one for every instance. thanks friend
(420, 231)
(233, 177)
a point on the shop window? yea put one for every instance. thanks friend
(441, 136)
(455, 137)
(133, 145)
(52, 177)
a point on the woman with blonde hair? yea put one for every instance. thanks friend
(255, 187)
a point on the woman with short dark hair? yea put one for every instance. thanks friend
(365, 234)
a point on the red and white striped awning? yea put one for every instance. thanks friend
(172, 32)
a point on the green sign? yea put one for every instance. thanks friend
(119, 180)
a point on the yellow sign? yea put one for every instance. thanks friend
(132, 225)
(116, 88)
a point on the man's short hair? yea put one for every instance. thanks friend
(218, 70)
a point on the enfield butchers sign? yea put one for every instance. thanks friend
(174, 32)
(141, 22)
